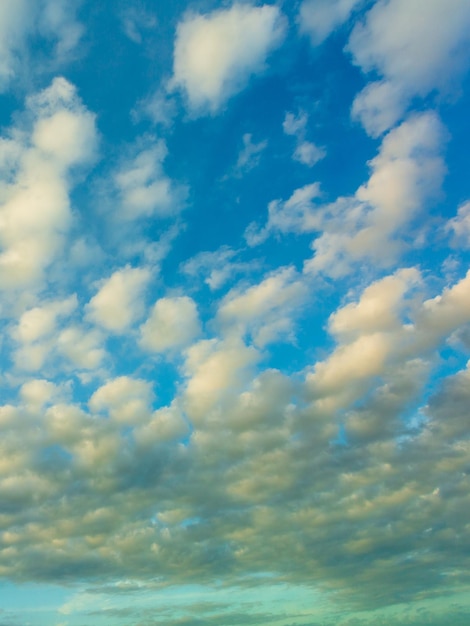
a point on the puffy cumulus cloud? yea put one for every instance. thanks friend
(459, 226)
(215, 369)
(215, 54)
(440, 316)
(377, 308)
(173, 323)
(127, 400)
(35, 210)
(405, 175)
(55, 20)
(45, 335)
(372, 334)
(266, 309)
(166, 424)
(38, 392)
(144, 190)
(119, 301)
(35, 330)
(416, 48)
(385, 330)
(40, 321)
(82, 348)
(319, 18)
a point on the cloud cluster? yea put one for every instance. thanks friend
(414, 48)
(143, 189)
(114, 491)
(405, 175)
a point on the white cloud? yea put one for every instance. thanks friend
(407, 172)
(127, 400)
(386, 329)
(417, 47)
(119, 302)
(460, 226)
(308, 153)
(266, 309)
(405, 175)
(35, 212)
(166, 424)
(173, 323)
(143, 187)
(84, 349)
(378, 308)
(297, 215)
(215, 54)
(319, 18)
(38, 392)
(35, 333)
(40, 321)
(216, 371)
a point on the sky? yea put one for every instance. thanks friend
(235, 313)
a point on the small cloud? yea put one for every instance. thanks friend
(142, 186)
(295, 124)
(173, 323)
(308, 153)
(119, 301)
(250, 154)
(135, 21)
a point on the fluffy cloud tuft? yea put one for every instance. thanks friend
(119, 303)
(215, 54)
(173, 323)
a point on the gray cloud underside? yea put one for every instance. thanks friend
(380, 519)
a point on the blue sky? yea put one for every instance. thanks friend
(235, 312)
